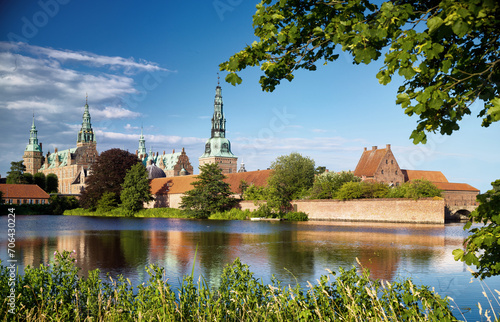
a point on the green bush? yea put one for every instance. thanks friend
(161, 213)
(415, 189)
(233, 214)
(264, 211)
(55, 292)
(296, 216)
(350, 190)
(108, 202)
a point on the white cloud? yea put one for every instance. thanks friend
(319, 131)
(113, 112)
(129, 64)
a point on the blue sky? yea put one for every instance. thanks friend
(155, 64)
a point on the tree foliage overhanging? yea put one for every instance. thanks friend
(107, 175)
(136, 190)
(447, 51)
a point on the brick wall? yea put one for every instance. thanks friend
(460, 198)
(382, 210)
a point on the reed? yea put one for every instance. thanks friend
(55, 292)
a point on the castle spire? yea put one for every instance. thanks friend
(142, 146)
(86, 134)
(218, 119)
(33, 141)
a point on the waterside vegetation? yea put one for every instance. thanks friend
(56, 292)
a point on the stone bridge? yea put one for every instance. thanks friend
(458, 213)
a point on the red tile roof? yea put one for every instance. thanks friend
(182, 184)
(22, 191)
(451, 186)
(433, 176)
(369, 162)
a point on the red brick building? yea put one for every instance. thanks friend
(18, 194)
(380, 165)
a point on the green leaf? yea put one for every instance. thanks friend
(434, 23)
(460, 28)
(233, 79)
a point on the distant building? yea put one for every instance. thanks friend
(169, 191)
(380, 165)
(17, 194)
(218, 147)
(172, 164)
(72, 165)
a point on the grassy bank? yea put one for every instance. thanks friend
(55, 292)
(233, 214)
(144, 213)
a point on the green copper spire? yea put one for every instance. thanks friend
(86, 134)
(142, 145)
(218, 119)
(33, 141)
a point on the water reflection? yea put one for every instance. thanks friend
(292, 251)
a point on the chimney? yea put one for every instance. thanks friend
(55, 150)
(364, 149)
(41, 146)
(136, 152)
(374, 147)
(388, 146)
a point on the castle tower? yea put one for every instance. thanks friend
(33, 155)
(86, 134)
(218, 147)
(141, 153)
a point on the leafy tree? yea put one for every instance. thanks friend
(58, 204)
(375, 189)
(15, 175)
(447, 51)
(52, 183)
(320, 170)
(107, 175)
(254, 192)
(292, 177)
(350, 190)
(415, 189)
(136, 190)
(242, 187)
(482, 247)
(40, 180)
(210, 194)
(328, 183)
(28, 178)
(108, 202)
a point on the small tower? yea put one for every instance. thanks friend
(33, 155)
(218, 147)
(141, 153)
(86, 134)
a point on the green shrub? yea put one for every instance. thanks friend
(108, 202)
(233, 214)
(264, 211)
(296, 216)
(350, 190)
(415, 189)
(55, 292)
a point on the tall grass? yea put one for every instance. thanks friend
(55, 292)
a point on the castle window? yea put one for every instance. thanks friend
(396, 172)
(386, 161)
(392, 161)
(382, 171)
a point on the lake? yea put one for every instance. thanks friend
(300, 251)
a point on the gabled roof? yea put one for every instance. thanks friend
(257, 178)
(451, 186)
(433, 176)
(181, 184)
(369, 162)
(22, 191)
